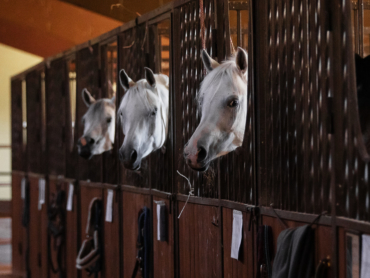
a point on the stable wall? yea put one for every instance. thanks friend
(12, 61)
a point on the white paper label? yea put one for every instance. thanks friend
(23, 188)
(158, 221)
(237, 233)
(109, 209)
(353, 255)
(365, 257)
(41, 193)
(70, 197)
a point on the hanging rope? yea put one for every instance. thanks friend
(191, 193)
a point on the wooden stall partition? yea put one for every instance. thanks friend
(38, 234)
(35, 118)
(163, 251)
(199, 241)
(131, 58)
(188, 74)
(245, 265)
(70, 237)
(19, 233)
(132, 203)
(18, 154)
(112, 238)
(88, 191)
(323, 236)
(109, 87)
(87, 71)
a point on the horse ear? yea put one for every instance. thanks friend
(126, 82)
(208, 62)
(149, 76)
(87, 97)
(241, 60)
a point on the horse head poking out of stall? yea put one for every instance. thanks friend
(99, 126)
(222, 102)
(143, 114)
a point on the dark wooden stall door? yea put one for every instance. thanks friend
(199, 241)
(38, 260)
(55, 121)
(88, 191)
(132, 203)
(111, 237)
(70, 240)
(163, 251)
(244, 267)
(19, 235)
(73, 231)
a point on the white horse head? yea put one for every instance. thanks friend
(99, 126)
(143, 115)
(223, 103)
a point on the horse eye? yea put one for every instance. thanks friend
(233, 103)
(109, 120)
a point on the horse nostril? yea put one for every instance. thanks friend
(133, 156)
(202, 154)
(91, 141)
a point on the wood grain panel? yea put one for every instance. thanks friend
(34, 230)
(131, 205)
(199, 241)
(87, 194)
(163, 251)
(244, 266)
(18, 232)
(73, 233)
(111, 239)
(342, 260)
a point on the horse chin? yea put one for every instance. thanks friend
(200, 169)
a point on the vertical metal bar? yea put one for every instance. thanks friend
(361, 27)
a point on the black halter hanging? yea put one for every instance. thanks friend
(56, 227)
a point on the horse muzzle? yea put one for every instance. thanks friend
(130, 159)
(196, 160)
(84, 146)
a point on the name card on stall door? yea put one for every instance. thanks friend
(41, 193)
(161, 221)
(237, 233)
(70, 197)
(109, 209)
(365, 257)
(23, 188)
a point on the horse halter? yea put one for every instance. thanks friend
(90, 253)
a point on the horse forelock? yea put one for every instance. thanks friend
(227, 71)
(140, 91)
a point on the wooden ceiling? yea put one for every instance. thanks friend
(47, 27)
(122, 10)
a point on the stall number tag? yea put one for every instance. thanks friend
(237, 233)
(41, 193)
(109, 209)
(23, 188)
(70, 197)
